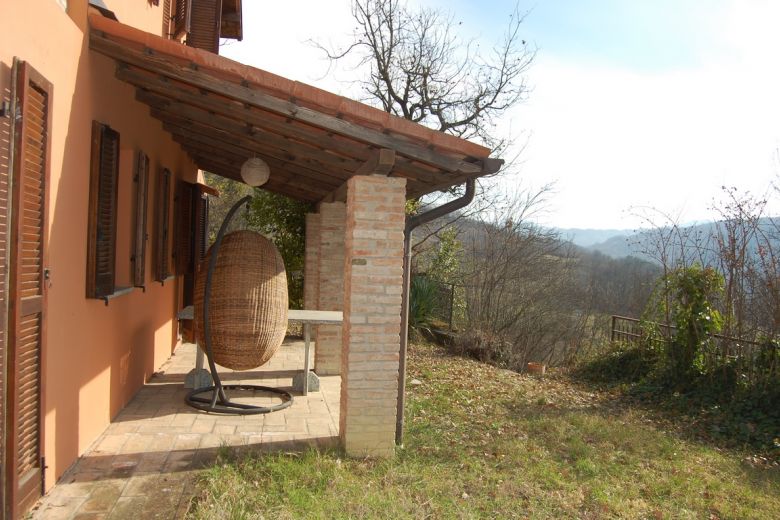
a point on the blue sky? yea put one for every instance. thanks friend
(633, 103)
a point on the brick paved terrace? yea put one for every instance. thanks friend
(144, 464)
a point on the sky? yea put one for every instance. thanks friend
(632, 103)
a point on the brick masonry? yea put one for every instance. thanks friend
(373, 270)
(332, 217)
(311, 278)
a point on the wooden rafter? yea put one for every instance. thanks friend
(223, 112)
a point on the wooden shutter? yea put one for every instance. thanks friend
(161, 229)
(181, 18)
(167, 21)
(182, 252)
(201, 226)
(199, 244)
(27, 291)
(141, 179)
(104, 177)
(205, 20)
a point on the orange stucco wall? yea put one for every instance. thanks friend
(96, 356)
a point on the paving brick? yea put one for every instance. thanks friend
(154, 441)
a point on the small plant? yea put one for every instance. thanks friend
(423, 303)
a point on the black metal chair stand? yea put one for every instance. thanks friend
(218, 401)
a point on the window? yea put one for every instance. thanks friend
(141, 180)
(103, 184)
(180, 18)
(162, 226)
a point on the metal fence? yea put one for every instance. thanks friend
(756, 361)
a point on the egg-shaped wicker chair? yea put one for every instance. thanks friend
(248, 311)
(240, 301)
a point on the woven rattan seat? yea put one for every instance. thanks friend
(248, 304)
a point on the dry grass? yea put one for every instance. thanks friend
(488, 443)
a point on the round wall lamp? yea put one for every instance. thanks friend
(255, 171)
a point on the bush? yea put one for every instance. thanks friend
(619, 363)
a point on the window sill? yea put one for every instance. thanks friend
(118, 291)
(167, 279)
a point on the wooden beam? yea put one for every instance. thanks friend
(219, 167)
(173, 97)
(233, 162)
(153, 61)
(219, 148)
(380, 163)
(231, 132)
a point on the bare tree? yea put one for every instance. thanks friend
(522, 297)
(422, 70)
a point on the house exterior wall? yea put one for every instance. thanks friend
(373, 272)
(97, 356)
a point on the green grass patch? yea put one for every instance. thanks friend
(488, 443)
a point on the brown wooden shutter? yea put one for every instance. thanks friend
(205, 20)
(182, 252)
(104, 177)
(161, 229)
(167, 22)
(139, 246)
(181, 18)
(23, 464)
(201, 226)
(199, 244)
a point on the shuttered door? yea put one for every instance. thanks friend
(182, 251)
(199, 244)
(5, 198)
(27, 331)
(205, 18)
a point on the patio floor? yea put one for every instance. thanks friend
(144, 464)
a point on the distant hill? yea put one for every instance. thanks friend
(619, 246)
(630, 244)
(590, 237)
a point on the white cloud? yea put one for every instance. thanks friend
(614, 138)
(611, 137)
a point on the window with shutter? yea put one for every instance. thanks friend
(161, 229)
(101, 242)
(205, 18)
(181, 18)
(140, 236)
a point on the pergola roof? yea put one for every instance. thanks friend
(223, 112)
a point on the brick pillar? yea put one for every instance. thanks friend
(311, 269)
(373, 269)
(327, 354)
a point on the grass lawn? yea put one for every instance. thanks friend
(488, 443)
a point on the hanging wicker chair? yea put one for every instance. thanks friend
(248, 302)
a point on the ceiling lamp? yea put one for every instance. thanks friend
(255, 171)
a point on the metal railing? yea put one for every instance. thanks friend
(754, 360)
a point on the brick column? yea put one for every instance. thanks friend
(311, 269)
(327, 354)
(373, 268)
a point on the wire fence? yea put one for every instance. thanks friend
(754, 361)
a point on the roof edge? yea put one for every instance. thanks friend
(362, 113)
